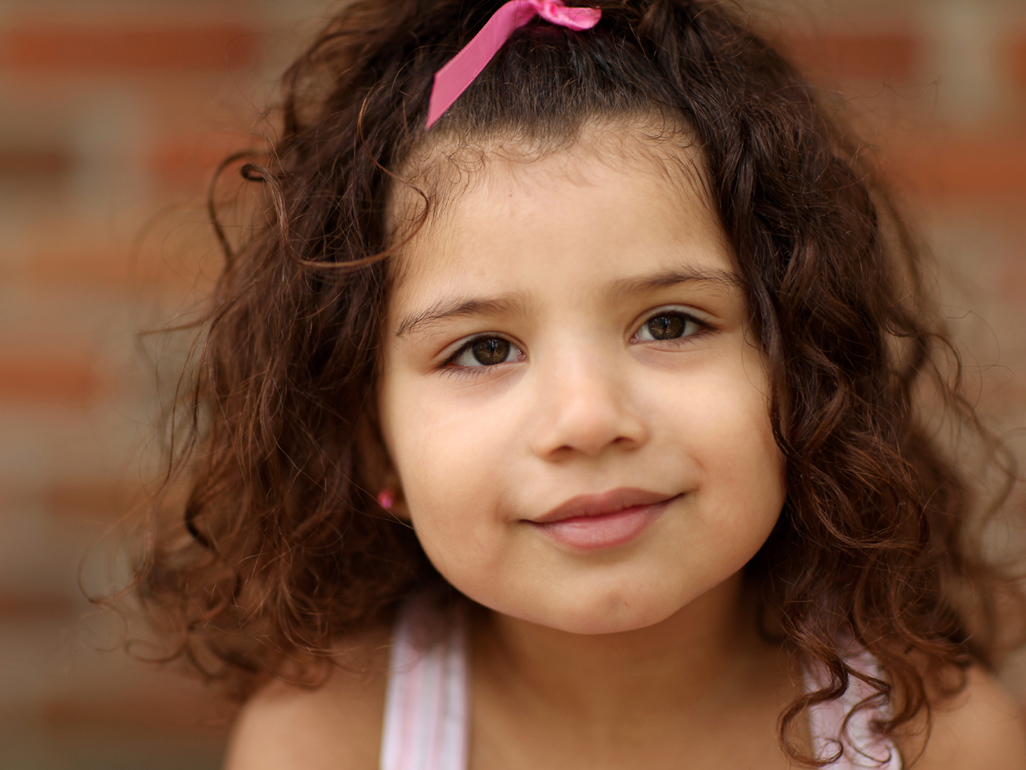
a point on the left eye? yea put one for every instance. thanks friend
(486, 351)
(668, 326)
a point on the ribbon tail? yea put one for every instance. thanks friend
(457, 75)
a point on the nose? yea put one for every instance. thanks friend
(585, 407)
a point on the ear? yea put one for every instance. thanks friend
(391, 499)
(381, 477)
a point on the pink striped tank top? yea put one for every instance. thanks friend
(426, 708)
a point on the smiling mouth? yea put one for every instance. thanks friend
(590, 522)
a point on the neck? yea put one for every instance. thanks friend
(703, 655)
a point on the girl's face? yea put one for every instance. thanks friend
(578, 422)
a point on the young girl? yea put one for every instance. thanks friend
(572, 403)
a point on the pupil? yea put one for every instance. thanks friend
(491, 351)
(666, 327)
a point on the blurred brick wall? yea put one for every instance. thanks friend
(112, 115)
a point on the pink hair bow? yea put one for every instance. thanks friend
(454, 78)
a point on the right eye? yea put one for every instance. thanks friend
(485, 351)
(669, 325)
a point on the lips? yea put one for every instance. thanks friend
(604, 504)
(614, 518)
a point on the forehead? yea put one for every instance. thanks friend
(628, 196)
(447, 165)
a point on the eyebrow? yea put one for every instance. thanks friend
(662, 280)
(459, 307)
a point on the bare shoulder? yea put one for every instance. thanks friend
(337, 726)
(981, 727)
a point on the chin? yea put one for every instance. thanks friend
(606, 615)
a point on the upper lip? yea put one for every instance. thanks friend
(603, 504)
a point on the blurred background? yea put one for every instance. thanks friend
(113, 114)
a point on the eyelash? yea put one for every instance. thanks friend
(449, 368)
(703, 326)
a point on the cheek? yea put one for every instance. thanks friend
(454, 497)
(747, 453)
(462, 429)
(451, 463)
(725, 424)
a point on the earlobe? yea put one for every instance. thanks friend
(386, 499)
(390, 500)
(376, 467)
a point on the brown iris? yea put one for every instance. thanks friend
(490, 351)
(666, 327)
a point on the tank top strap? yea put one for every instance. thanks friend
(426, 715)
(861, 746)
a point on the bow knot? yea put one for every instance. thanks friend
(575, 18)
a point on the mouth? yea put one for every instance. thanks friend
(613, 518)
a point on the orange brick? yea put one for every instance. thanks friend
(38, 378)
(856, 55)
(191, 160)
(1017, 58)
(99, 500)
(168, 707)
(111, 267)
(22, 162)
(34, 46)
(963, 167)
(20, 606)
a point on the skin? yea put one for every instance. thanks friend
(568, 269)
(637, 655)
(587, 401)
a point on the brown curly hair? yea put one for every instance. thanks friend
(284, 549)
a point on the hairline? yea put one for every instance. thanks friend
(441, 167)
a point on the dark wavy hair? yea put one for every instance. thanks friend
(284, 550)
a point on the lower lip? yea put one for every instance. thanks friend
(589, 533)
